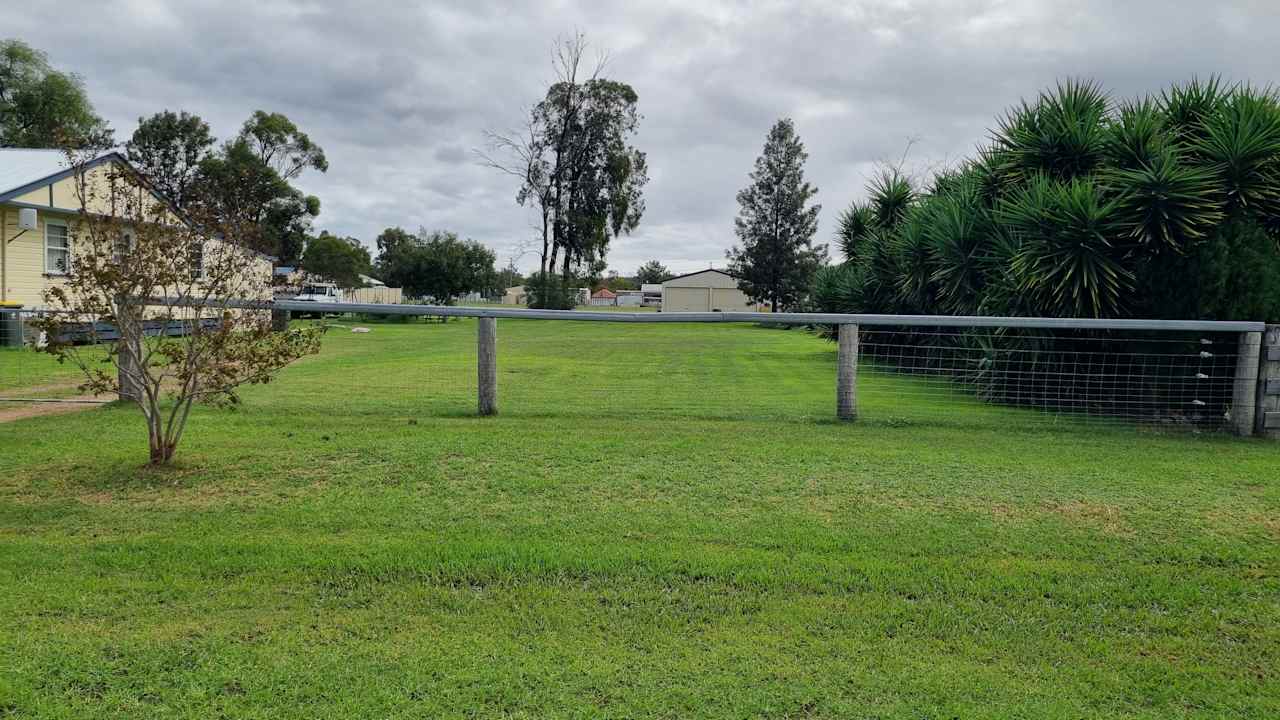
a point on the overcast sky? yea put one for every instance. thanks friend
(399, 97)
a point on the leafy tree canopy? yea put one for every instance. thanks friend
(280, 145)
(249, 177)
(439, 266)
(41, 107)
(168, 148)
(576, 165)
(340, 260)
(652, 272)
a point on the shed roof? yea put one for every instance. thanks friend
(699, 272)
(604, 293)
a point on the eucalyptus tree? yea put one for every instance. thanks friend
(576, 165)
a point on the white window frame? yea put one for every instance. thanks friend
(197, 270)
(123, 246)
(66, 227)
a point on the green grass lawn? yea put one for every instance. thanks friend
(663, 521)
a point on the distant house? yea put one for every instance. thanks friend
(704, 291)
(515, 296)
(40, 208)
(604, 296)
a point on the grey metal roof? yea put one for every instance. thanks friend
(21, 166)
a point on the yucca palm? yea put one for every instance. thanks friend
(838, 288)
(1069, 259)
(912, 264)
(877, 272)
(1242, 144)
(1081, 208)
(1188, 108)
(1136, 136)
(1167, 202)
(1060, 135)
(891, 196)
(852, 226)
(958, 229)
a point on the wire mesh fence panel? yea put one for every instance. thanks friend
(673, 368)
(28, 376)
(580, 370)
(965, 375)
(595, 371)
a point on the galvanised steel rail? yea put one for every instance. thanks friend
(740, 317)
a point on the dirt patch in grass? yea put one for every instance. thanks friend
(21, 412)
(11, 411)
(1092, 514)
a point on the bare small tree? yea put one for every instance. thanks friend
(128, 245)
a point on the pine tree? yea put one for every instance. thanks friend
(777, 259)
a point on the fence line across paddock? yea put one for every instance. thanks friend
(1202, 373)
(1206, 374)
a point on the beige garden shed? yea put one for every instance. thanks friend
(704, 291)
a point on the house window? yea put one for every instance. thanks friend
(196, 258)
(124, 243)
(57, 248)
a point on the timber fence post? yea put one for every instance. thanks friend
(130, 348)
(847, 372)
(1244, 395)
(1267, 418)
(487, 365)
(280, 320)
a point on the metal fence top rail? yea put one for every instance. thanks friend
(745, 317)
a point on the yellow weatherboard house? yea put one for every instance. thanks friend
(39, 208)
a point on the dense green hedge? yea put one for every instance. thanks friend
(1165, 206)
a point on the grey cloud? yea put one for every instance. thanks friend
(399, 94)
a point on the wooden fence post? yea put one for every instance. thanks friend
(280, 320)
(129, 356)
(1244, 396)
(487, 365)
(1267, 420)
(847, 372)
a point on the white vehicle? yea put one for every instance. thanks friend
(320, 292)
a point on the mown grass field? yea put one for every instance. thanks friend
(664, 522)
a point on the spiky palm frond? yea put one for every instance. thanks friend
(1136, 136)
(1069, 259)
(958, 228)
(891, 196)
(1242, 144)
(1188, 108)
(1002, 292)
(837, 289)
(1060, 135)
(912, 264)
(1166, 202)
(877, 272)
(852, 226)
